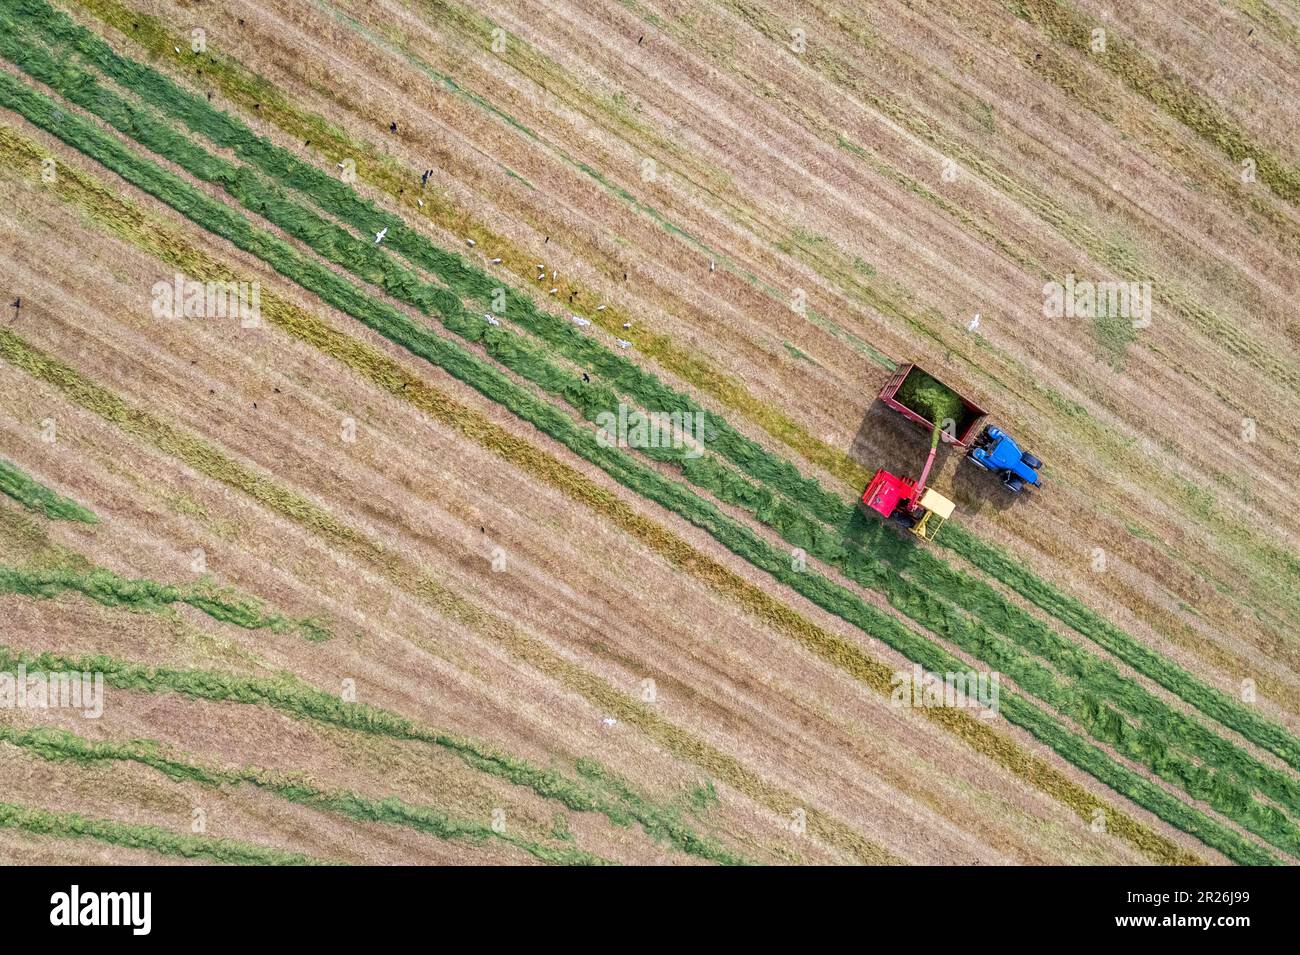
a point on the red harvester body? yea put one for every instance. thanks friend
(886, 491)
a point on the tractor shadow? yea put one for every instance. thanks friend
(975, 491)
(885, 439)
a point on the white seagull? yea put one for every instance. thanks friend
(379, 236)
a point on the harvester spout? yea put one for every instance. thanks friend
(925, 473)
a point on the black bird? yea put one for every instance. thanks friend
(392, 127)
(586, 377)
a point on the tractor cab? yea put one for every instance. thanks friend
(894, 498)
(997, 451)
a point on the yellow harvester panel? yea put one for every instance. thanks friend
(932, 500)
(937, 510)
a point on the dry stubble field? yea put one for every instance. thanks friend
(364, 586)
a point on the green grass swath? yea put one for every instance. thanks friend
(60, 745)
(37, 497)
(106, 587)
(69, 825)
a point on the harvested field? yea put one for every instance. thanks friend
(441, 429)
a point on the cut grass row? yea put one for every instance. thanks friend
(107, 588)
(35, 566)
(161, 240)
(293, 697)
(58, 745)
(67, 825)
(1149, 747)
(37, 497)
(398, 327)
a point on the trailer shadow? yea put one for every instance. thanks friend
(885, 439)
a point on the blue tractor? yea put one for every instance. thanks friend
(995, 450)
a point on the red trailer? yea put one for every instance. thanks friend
(967, 429)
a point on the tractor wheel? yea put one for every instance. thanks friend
(1014, 485)
(1031, 461)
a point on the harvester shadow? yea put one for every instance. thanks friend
(886, 440)
(883, 541)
